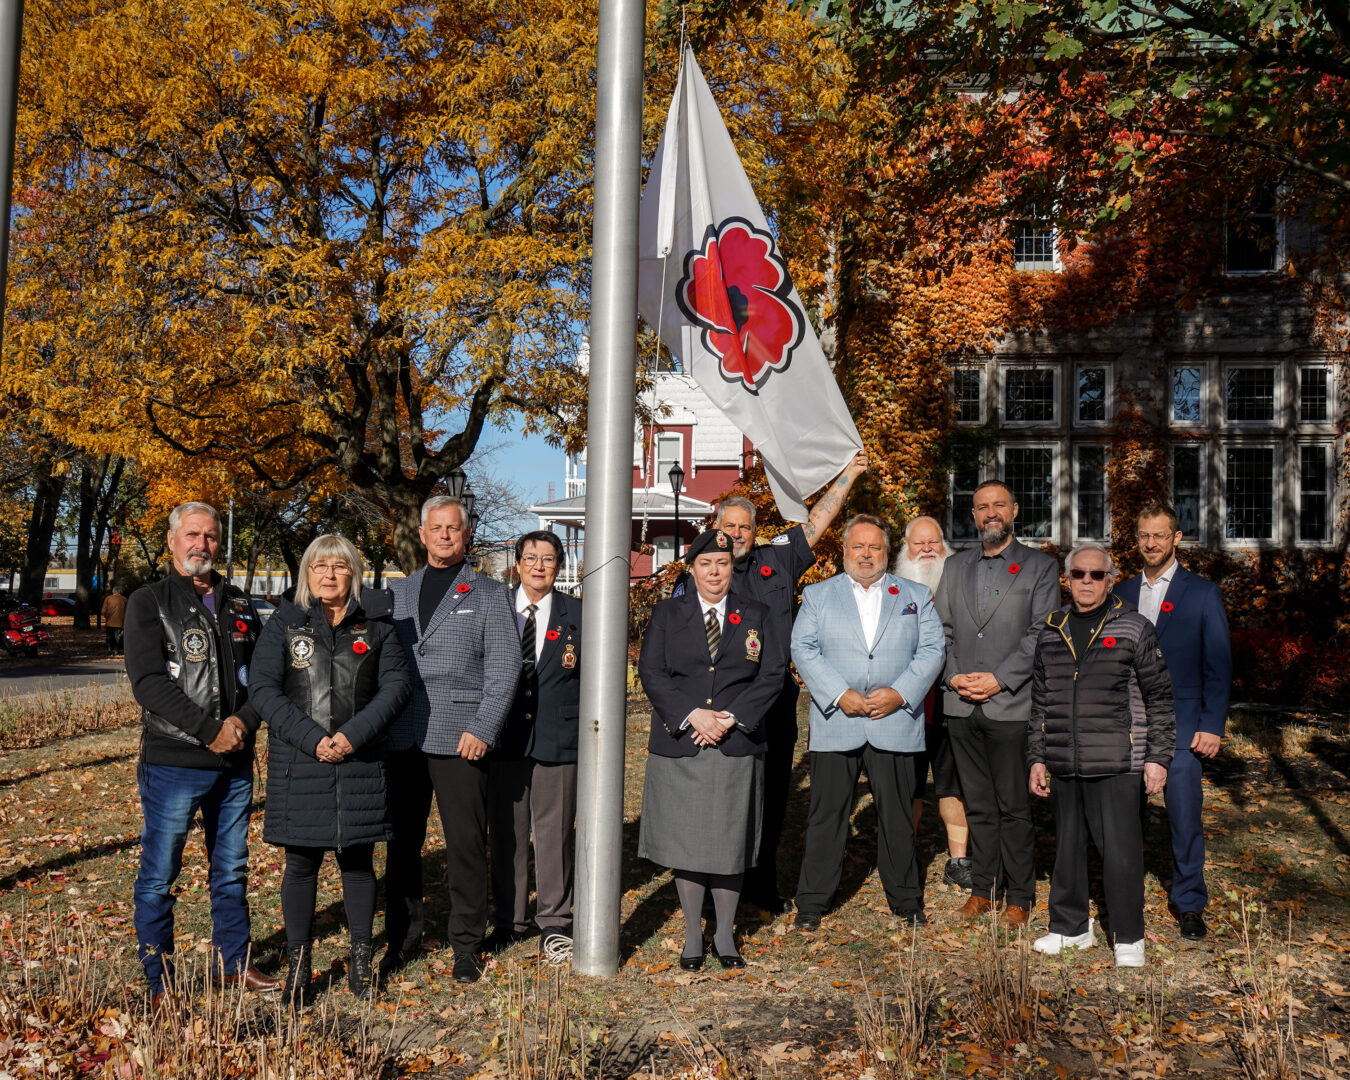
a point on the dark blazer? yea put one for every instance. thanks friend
(679, 677)
(465, 662)
(311, 680)
(543, 720)
(1193, 633)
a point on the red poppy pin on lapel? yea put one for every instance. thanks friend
(1167, 605)
(734, 619)
(894, 590)
(360, 647)
(1014, 568)
(1109, 642)
(241, 626)
(766, 571)
(462, 588)
(552, 635)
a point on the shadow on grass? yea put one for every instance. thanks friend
(67, 766)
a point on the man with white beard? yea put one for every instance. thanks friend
(921, 558)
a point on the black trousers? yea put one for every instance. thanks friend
(991, 762)
(461, 790)
(1106, 809)
(761, 882)
(834, 775)
(300, 886)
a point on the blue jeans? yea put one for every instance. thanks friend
(170, 797)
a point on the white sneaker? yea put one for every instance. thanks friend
(1051, 944)
(1130, 953)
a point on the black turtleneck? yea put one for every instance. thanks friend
(436, 583)
(1083, 624)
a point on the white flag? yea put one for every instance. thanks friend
(712, 279)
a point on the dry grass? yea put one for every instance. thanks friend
(1004, 1005)
(1264, 1043)
(48, 716)
(894, 1035)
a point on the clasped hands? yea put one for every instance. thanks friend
(710, 726)
(875, 705)
(332, 749)
(977, 686)
(231, 736)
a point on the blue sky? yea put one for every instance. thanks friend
(527, 463)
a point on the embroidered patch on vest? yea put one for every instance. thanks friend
(194, 646)
(301, 649)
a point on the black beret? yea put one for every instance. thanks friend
(713, 540)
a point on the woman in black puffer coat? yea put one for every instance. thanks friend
(329, 677)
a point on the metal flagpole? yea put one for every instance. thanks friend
(11, 53)
(609, 484)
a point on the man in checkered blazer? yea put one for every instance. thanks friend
(459, 632)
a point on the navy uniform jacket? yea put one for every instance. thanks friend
(1193, 633)
(679, 677)
(543, 720)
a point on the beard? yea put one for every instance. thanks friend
(198, 564)
(927, 572)
(995, 534)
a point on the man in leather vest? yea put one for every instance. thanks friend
(189, 641)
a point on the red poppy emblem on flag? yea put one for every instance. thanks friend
(1109, 642)
(1167, 605)
(360, 647)
(734, 619)
(893, 590)
(766, 571)
(552, 635)
(462, 588)
(1014, 568)
(737, 289)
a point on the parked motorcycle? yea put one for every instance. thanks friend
(21, 627)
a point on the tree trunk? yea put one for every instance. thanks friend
(47, 492)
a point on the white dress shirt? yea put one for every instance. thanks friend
(542, 610)
(1152, 596)
(869, 598)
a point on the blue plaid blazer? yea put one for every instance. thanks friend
(465, 663)
(832, 656)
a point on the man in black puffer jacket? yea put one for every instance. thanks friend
(1101, 714)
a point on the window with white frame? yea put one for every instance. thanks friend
(1091, 394)
(1314, 394)
(1188, 394)
(664, 551)
(1315, 465)
(669, 450)
(1187, 488)
(968, 394)
(1029, 395)
(962, 523)
(1249, 480)
(1030, 472)
(1091, 518)
(1249, 394)
(1253, 235)
(1033, 237)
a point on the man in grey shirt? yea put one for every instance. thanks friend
(992, 599)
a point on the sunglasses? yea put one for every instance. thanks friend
(1095, 575)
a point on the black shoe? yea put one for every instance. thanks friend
(1193, 926)
(806, 920)
(913, 918)
(691, 963)
(392, 962)
(358, 969)
(774, 905)
(466, 968)
(958, 873)
(298, 974)
(730, 961)
(502, 938)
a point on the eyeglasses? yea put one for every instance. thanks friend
(1095, 575)
(1159, 536)
(541, 560)
(324, 569)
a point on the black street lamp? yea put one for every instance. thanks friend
(456, 480)
(676, 475)
(468, 498)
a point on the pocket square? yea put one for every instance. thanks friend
(911, 609)
(463, 611)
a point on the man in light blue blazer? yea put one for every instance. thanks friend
(868, 645)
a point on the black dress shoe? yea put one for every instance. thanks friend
(1193, 926)
(392, 961)
(466, 969)
(691, 963)
(774, 905)
(806, 920)
(913, 918)
(730, 961)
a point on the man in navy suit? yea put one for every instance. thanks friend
(1192, 630)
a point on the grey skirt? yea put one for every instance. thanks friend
(702, 813)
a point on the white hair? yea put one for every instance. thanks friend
(737, 502)
(1078, 549)
(438, 502)
(187, 509)
(331, 546)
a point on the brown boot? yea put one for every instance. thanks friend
(975, 907)
(1015, 915)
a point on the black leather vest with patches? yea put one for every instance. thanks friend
(331, 673)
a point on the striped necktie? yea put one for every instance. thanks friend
(527, 638)
(714, 634)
